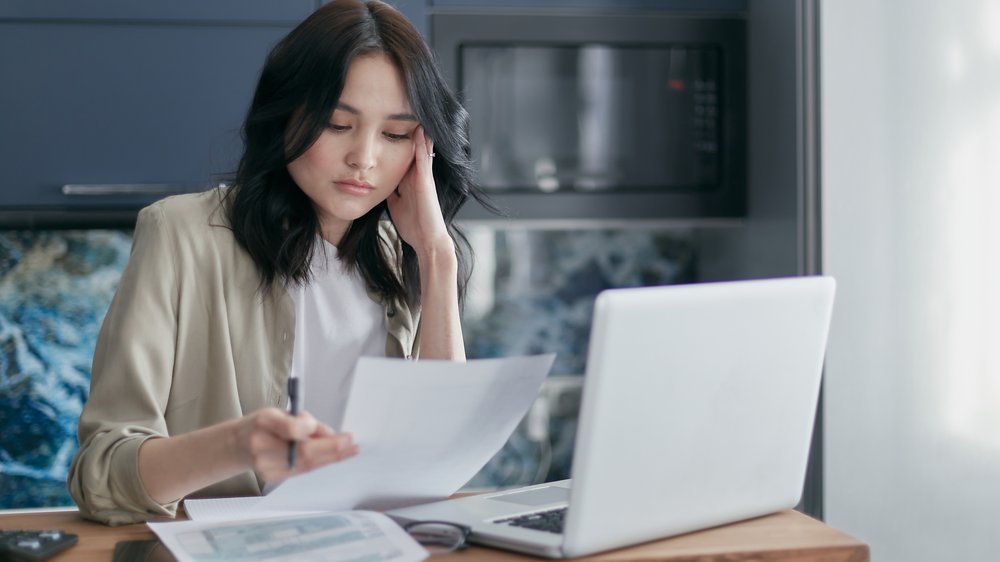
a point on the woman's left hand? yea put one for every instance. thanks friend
(414, 205)
(417, 214)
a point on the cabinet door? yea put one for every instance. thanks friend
(247, 11)
(107, 103)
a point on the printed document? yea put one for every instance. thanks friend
(328, 537)
(424, 428)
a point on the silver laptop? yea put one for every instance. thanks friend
(698, 408)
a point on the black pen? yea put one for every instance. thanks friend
(293, 400)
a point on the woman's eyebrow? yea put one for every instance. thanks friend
(392, 117)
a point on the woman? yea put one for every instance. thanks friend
(291, 272)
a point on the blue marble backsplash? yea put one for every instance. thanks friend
(532, 292)
(55, 287)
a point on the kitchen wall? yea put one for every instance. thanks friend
(911, 130)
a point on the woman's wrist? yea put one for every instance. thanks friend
(234, 449)
(168, 473)
(438, 254)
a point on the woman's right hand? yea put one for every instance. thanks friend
(263, 437)
(170, 468)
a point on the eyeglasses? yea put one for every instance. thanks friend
(439, 537)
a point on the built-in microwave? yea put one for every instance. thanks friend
(597, 115)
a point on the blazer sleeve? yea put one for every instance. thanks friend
(130, 381)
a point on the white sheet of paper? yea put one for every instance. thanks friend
(331, 537)
(233, 509)
(424, 428)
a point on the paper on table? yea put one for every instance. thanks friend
(424, 428)
(233, 509)
(332, 537)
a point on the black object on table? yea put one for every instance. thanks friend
(18, 545)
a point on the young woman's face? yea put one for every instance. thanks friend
(365, 150)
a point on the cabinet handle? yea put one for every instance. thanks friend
(132, 188)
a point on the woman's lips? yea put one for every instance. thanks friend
(354, 187)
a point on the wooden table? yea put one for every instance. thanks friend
(785, 536)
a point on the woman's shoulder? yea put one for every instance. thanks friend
(189, 212)
(192, 225)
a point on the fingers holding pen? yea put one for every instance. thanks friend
(322, 450)
(286, 426)
(311, 454)
(264, 438)
(323, 447)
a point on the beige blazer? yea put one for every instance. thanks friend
(187, 342)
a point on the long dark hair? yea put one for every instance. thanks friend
(298, 90)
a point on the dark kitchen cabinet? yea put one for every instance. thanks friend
(215, 11)
(116, 92)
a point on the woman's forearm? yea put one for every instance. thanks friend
(173, 467)
(440, 320)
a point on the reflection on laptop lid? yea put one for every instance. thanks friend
(698, 408)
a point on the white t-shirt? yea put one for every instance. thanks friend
(336, 322)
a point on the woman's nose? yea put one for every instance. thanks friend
(362, 153)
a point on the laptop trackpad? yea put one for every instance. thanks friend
(538, 496)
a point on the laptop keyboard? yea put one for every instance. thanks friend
(551, 521)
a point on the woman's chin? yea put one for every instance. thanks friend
(350, 213)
